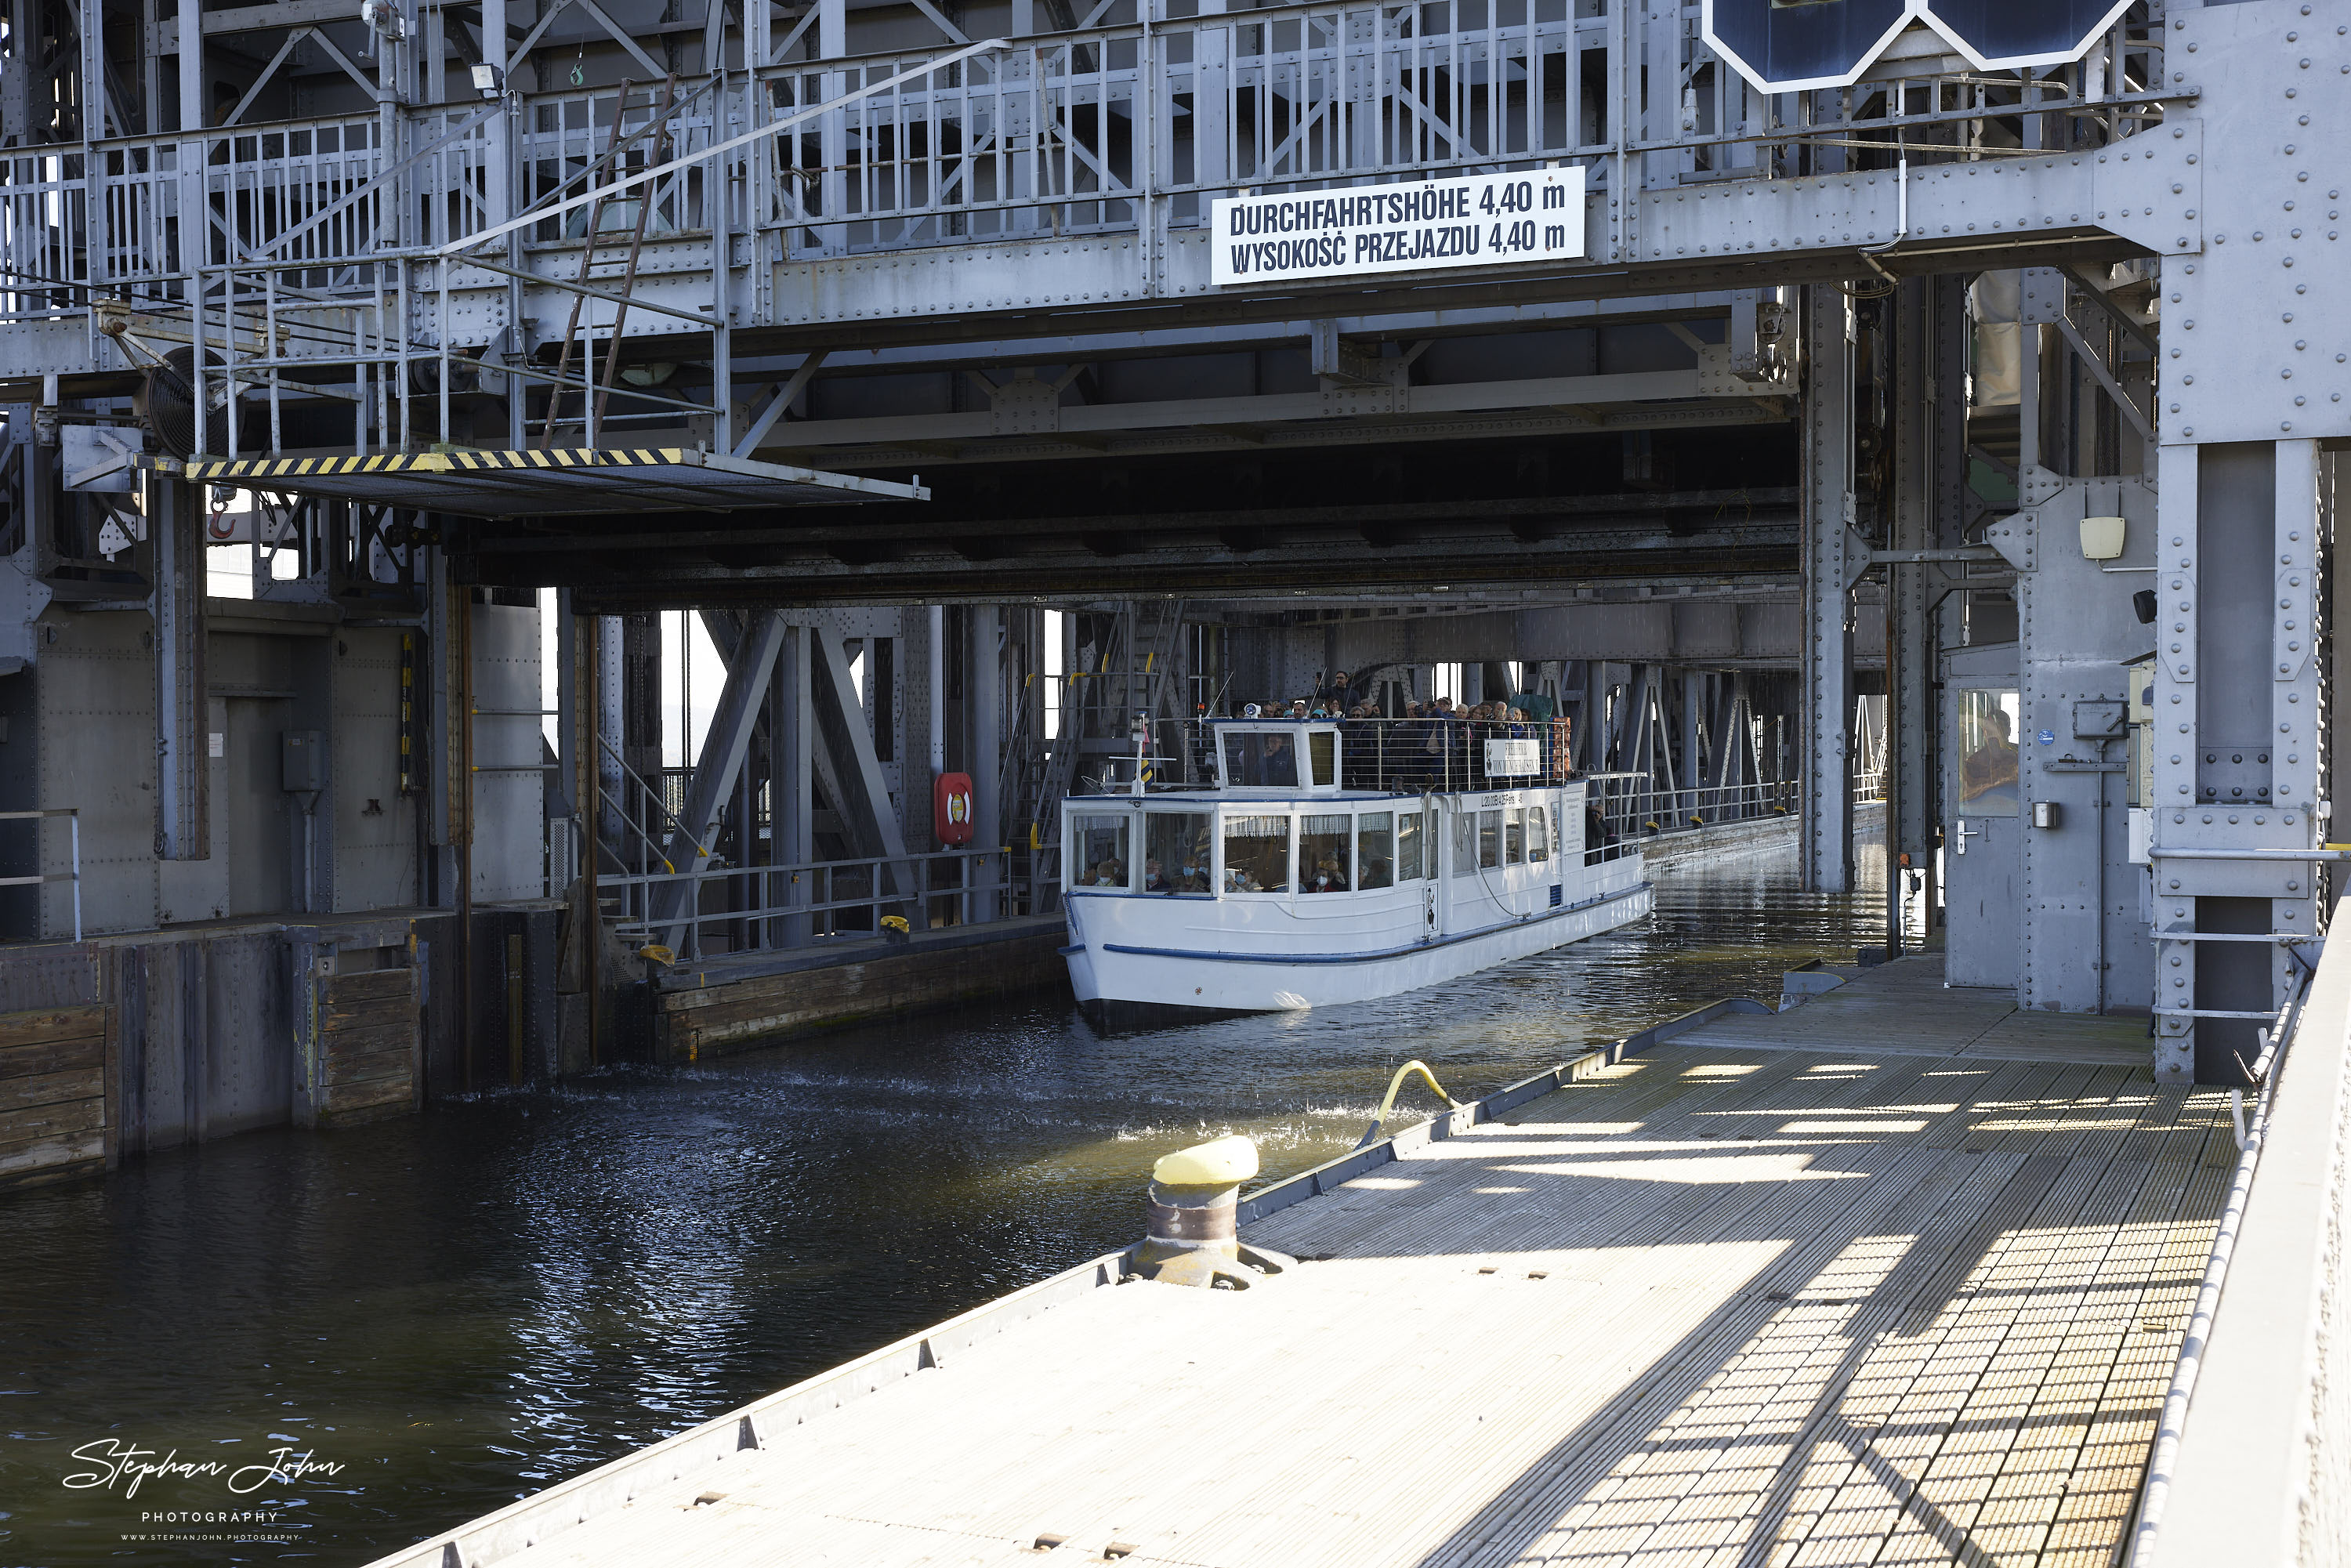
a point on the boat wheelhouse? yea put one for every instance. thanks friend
(1329, 862)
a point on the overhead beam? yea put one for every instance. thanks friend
(1714, 414)
(652, 531)
(1081, 419)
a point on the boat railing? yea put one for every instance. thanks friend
(1390, 755)
(1431, 756)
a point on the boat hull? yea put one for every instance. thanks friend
(1125, 984)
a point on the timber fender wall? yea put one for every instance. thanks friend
(710, 1011)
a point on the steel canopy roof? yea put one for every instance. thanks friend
(562, 482)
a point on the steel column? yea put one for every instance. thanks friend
(1909, 626)
(792, 780)
(1827, 826)
(184, 769)
(724, 747)
(861, 790)
(985, 656)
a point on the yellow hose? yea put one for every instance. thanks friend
(1395, 1084)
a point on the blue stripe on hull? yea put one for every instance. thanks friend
(1372, 957)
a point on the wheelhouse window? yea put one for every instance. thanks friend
(1375, 850)
(1538, 836)
(1176, 851)
(1099, 853)
(1260, 759)
(1490, 840)
(1322, 853)
(1323, 752)
(1514, 836)
(1257, 853)
(1413, 860)
(1464, 843)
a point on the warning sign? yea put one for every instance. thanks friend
(1485, 220)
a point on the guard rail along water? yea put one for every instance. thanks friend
(2252, 1454)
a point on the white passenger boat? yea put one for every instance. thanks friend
(1279, 886)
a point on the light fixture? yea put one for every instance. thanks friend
(2102, 538)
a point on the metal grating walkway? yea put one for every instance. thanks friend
(1714, 1306)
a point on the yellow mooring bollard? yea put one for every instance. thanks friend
(1194, 1237)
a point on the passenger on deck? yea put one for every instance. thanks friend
(1448, 747)
(1192, 877)
(1596, 836)
(1239, 881)
(1360, 749)
(1110, 873)
(1335, 696)
(1329, 876)
(1153, 880)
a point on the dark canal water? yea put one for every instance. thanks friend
(463, 1307)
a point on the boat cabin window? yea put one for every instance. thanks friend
(1322, 853)
(1323, 752)
(1257, 853)
(1277, 755)
(1176, 851)
(1490, 840)
(1538, 837)
(1514, 836)
(1261, 758)
(1413, 860)
(1098, 851)
(1375, 850)
(1464, 843)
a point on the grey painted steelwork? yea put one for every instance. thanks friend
(1833, 561)
(750, 665)
(1017, 306)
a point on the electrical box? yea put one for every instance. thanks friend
(2142, 729)
(302, 760)
(2100, 718)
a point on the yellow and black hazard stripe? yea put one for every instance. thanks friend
(572, 457)
(253, 469)
(299, 467)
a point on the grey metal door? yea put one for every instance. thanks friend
(1983, 841)
(1982, 921)
(260, 847)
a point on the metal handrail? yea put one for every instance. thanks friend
(1316, 54)
(2154, 1493)
(72, 814)
(636, 892)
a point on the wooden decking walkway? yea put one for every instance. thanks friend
(1780, 1293)
(1904, 1008)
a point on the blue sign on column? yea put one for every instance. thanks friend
(1787, 48)
(1793, 46)
(2003, 33)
